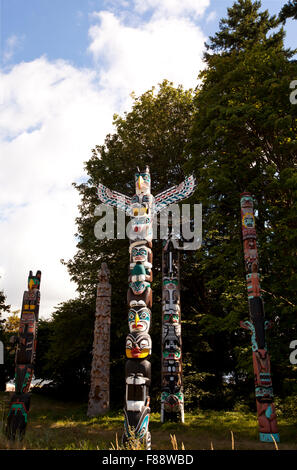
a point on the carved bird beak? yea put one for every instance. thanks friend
(140, 182)
(136, 319)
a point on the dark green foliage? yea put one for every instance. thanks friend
(244, 138)
(3, 367)
(64, 353)
(44, 335)
(154, 132)
(289, 10)
(238, 133)
(244, 27)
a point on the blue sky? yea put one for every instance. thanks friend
(67, 66)
(59, 28)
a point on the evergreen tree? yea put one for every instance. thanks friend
(244, 138)
(3, 369)
(289, 10)
(64, 352)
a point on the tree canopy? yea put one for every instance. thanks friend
(235, 132)
(3, 369)
(244, 138)
(289, 10)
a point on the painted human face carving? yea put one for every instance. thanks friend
(172, 402)
(138, 287)
(248, 220)
(171, 316)
(170, 284)
(139, 319)
(247, 201)
(139, 253)
(138, 345)
(173, 354)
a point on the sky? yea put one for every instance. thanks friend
(66, 67)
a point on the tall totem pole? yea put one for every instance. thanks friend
(99, 390)
(142, 208)
(257, 325)
(24, 359)
(172, 398)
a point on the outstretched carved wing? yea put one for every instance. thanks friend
(174, 194)
(114, 199)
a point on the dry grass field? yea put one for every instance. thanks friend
(59, 425)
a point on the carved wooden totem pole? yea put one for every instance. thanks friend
(172, 398)
(257, 325)
(99, 391)
(24, 359)
(142, 208)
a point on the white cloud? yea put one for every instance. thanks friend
(37, 236)
(69, 115)
(51, 117)
(135, 58)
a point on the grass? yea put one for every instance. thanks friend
(63, 425)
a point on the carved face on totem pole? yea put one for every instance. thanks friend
(248, 220)
(139, 252)
(138, 345)
(246, 200)
(139, 319)
(139, 287)
(172, 401)
(171, 316)
(247, 217)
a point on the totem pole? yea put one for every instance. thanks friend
(172, 398)
(24, 359)
(257, 325)
(99, 391)
(142, 208)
